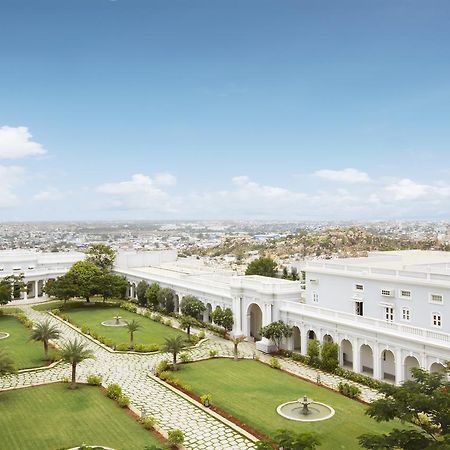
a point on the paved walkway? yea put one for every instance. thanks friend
(130, 371)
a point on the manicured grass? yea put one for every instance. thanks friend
(25, 353)
(251, 391)
(54, 417)
(92, 316)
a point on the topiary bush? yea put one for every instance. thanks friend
(275, 363)
(113, 391)
(123, 401)
(175, 437)
(162, 366)
(349, 390)
(149, 422)
(94, 380)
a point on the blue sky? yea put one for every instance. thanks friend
(210, 109)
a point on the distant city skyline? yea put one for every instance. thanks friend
(175, 110)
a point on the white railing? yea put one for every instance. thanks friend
(367, 322)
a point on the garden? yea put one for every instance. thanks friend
(250, 392)
(64, 418)
(26, 353)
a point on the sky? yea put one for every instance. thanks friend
(231, 109)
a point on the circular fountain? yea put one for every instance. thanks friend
(116, 322)
(305, 410)
(3, 335)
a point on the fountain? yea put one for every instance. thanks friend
(305, 410)
(116, 322)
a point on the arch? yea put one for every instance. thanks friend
(387, 365)
(437, 367)
(327, 338)
(347, 354)
(366, 359)
(208, 312)
(312, 335)
(410, 362)
(296, 339)
(254, 321)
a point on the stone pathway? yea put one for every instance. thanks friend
(130, 371)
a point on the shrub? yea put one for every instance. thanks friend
(206, 399)
(149, 422)
(162, 366)
(329, 356)
(166, 375)
(123, 401)
(349, 390)
(113, 391)
(56, 311)
(122, 347)
(213, 353)
(185, 357)
(94, 380)
(128, 306)
(360, 378)
(85, 329)
(194, 339)
(153, 347)
(157, 318)
(274, 363)
(314, 352)
(201, 335)
(175, 436)
(168, 322)
(94, 335)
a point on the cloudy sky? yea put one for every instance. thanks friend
(173, 109)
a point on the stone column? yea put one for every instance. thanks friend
(304, 340)
(36, 289)
(356, 354)
(377, 363)
(237, 313)
(399, 367)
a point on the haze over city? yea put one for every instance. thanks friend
(231, 110)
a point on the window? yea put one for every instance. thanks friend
(386, 292)
(405, 314)
(436, 298)
(436, 319)
(359, 287)
(389, 314)
(405, 294)
(315, 297)
(359, 308)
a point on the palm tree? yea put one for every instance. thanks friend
(6, 363)
(132, 327)
(75, 352)
(44, 331)
(236, 341)
(174, 345)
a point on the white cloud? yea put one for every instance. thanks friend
(15, 143)
(10, 177)
(50, 194)
(343, 176)
(406, 189)
(141, 192)
(165, 179)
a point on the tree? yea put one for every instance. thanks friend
(141, 289)
(290, 440)
(424, 401)
(313, 351)
(276, 332)
(6, 363)
(236, 341)
(102, 255)
(151, 295)
(186, 322)
(85, 274)
(174, 345)
(192, 306)
(329, 356)
(294, 274)
(223, 318)
(132, 327)
(44, 332)
(166, 300)
(263, 266)
(285, 273)
(64, 287)
(109, 286)
(75, 352)
(9, 286)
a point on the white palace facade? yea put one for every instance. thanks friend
(388, 312)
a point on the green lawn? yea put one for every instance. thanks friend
(54, 417)
(25, 353)
(251, 391)
(92, 316)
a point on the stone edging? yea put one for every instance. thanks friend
(120, 352)
(40, 383)
(40, 369)
(212, 413)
